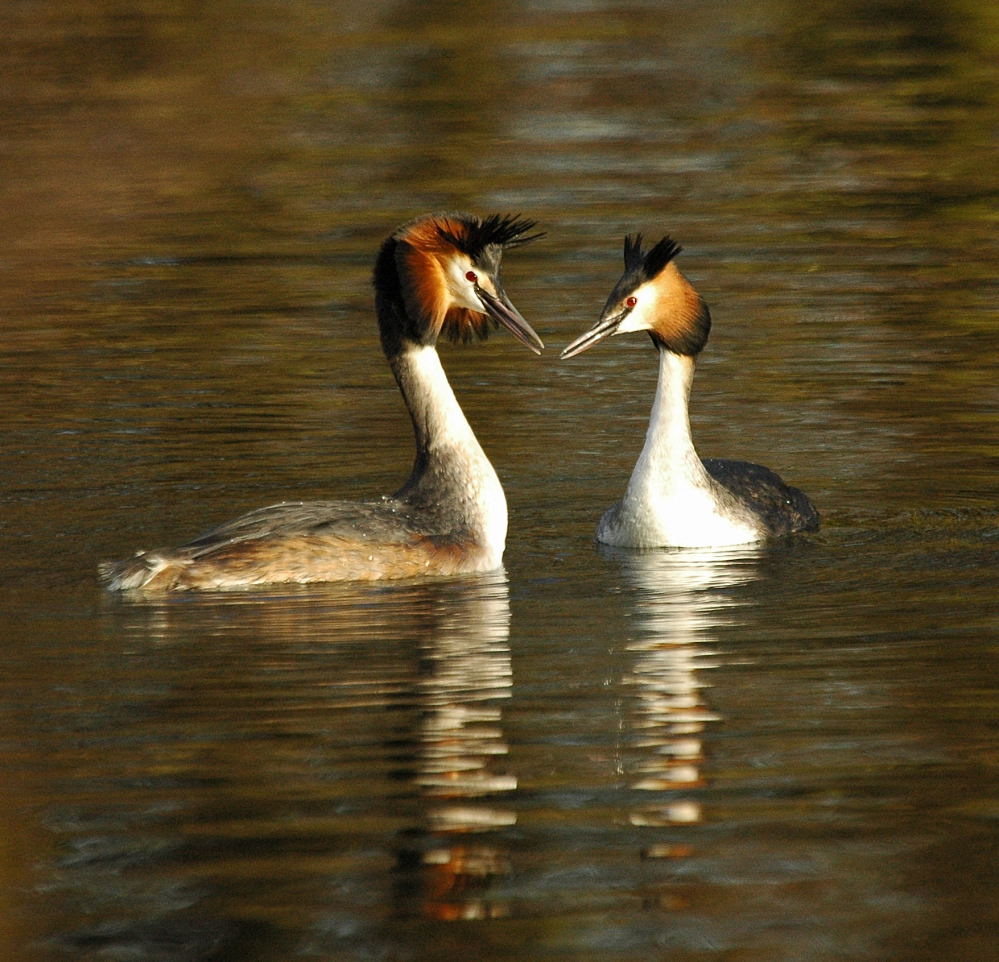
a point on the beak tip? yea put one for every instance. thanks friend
(529, 339)
(501, 310)
(602, 329)
(576, 347)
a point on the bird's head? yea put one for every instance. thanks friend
(440, 275)
(652, 295)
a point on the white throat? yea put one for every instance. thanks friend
(451, 466)
(670, 499)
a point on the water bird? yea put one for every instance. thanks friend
(438, 275)
(674, 498)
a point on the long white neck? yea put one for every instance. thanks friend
(668, 461)
(670, 498)
(452, 477)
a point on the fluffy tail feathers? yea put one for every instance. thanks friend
(139, 571)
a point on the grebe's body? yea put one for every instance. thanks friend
(439, 274)
(674, 499)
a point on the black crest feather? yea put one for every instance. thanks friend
(496, 230)
(685, 330)
(647, 264)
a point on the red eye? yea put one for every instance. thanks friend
(472, 276)
(630, 301)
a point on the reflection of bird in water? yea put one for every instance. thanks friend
(437, 275)
(465, 672)
(674, 498)
(680, 603)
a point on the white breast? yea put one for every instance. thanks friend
(688, 518)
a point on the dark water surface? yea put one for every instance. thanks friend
(775, 753)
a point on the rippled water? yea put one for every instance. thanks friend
(781, 752)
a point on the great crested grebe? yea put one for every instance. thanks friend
(438, 274)
(674, 499)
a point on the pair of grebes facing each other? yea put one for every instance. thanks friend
(440, 275)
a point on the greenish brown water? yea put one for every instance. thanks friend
(782, 753)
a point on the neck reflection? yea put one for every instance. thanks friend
(681, 599)
(448, 863)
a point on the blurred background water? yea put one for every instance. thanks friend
(778, 752)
